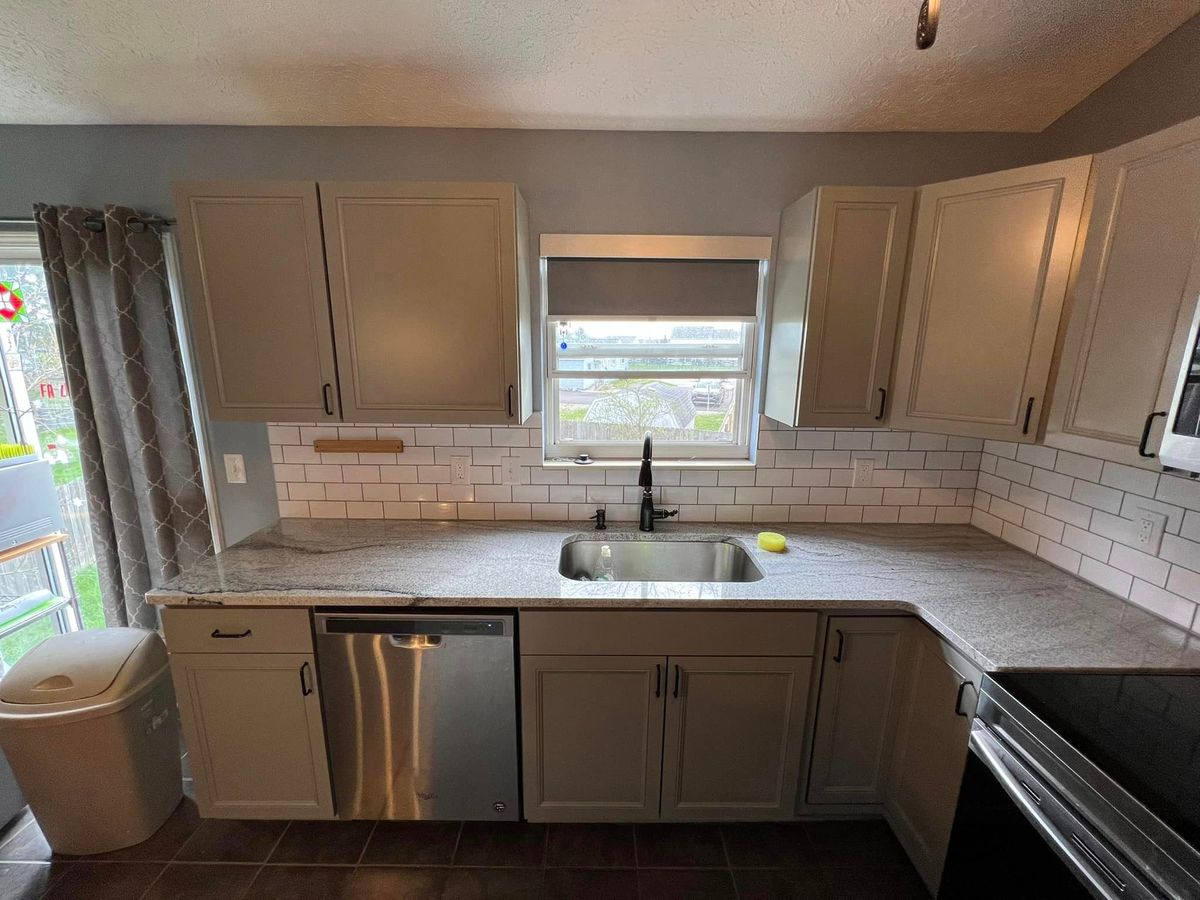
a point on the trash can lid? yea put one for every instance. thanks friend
(81, 665)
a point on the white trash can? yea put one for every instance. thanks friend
(89, 726)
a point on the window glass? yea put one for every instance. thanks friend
(687, 382)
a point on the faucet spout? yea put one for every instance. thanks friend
(648, 514)
(645, 476)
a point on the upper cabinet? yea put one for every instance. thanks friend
(839, 275)
(424, 316)
(1134, 298)
(991, 259)
(255, 276)
(430, 300)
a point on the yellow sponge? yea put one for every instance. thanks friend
(772, 541)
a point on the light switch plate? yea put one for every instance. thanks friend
(235, 468)
(1148, 530)
(460, 467)
(864, 472)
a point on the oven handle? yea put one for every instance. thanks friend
(1035, 799)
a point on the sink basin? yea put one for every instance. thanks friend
(635, 560)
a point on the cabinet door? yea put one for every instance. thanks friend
(424, 283)
(860, 691)
(838, 281)
(989, 269)
(1137, 287)
(930, 752)
(254, 279)
(255, 736)
(592, 737)
(734, 733)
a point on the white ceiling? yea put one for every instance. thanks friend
(769, 65)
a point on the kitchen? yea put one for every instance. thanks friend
(794, 506)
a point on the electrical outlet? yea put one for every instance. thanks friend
(235, 468)
(510, 472)
(864, 472)
(1148, 533)
(460, 467)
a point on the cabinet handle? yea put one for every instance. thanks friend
(510, 407)
(882, 403)
(962, 686)
(1028, 415)
(217, 633)
(325, 401)
(305, 690)
(657, 680)
(837, 657)
(1146, 434)
(675, 693)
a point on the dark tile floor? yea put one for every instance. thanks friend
(194, 858)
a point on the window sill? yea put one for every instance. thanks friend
(566, 463)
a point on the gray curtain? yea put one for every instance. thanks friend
(136, 441)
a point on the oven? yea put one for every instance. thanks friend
(1055, 806)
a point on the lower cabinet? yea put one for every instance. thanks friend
(861, 678)
(592, 737)
(734, 732)
(637, 738)
(255, 737)
(930, 751)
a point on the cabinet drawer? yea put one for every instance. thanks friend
(244, 630)
(664, 633)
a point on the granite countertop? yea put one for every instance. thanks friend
(1000, 606)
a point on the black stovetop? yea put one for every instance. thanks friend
(1142, 730)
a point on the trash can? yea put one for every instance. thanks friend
(89, 726)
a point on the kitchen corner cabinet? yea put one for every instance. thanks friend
(1134, 297)
(254, 273)
(252, 720)
(930, 750)
(426, 300)
(990, 262)
(430, 300)
(839, 275)
(861, 679)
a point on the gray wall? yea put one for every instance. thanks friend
(1160, 89)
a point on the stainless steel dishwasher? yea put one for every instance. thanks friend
(421, 715)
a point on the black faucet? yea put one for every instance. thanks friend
(646, 483)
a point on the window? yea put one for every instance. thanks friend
(687, 381)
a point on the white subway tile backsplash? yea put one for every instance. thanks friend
(1059, 555)
(1141, 565)
(1015, 534)
(1178, 491)
(1130, 479)
(1077, 466)
(1014, 471)
(1037, 455)
(1112, 580)
(1163, 603)
(1096, 496)
(1052, 482)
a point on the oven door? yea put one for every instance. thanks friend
(1180, 447)
(1016, 837)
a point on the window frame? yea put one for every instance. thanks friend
(738, 450)
(18, 246)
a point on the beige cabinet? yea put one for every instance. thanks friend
(593, 730)
(930, 751)
(861, 679)
(254, 732)
(734, 732)
(991, 259)
(427, 300)
(839, 274)
(254, 271)
(1134, 296)
(430, 301)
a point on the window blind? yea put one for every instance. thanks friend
(677, 288)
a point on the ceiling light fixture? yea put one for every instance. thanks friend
(927, 23)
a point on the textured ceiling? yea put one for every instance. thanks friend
(770, 65)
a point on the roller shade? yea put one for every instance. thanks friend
(685, 288)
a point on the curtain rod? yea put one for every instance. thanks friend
(96, 223)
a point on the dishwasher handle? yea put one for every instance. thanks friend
(415, 641)
(399, 627)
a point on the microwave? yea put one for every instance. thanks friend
(1180, 447)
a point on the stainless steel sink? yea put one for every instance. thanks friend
(634, 560)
